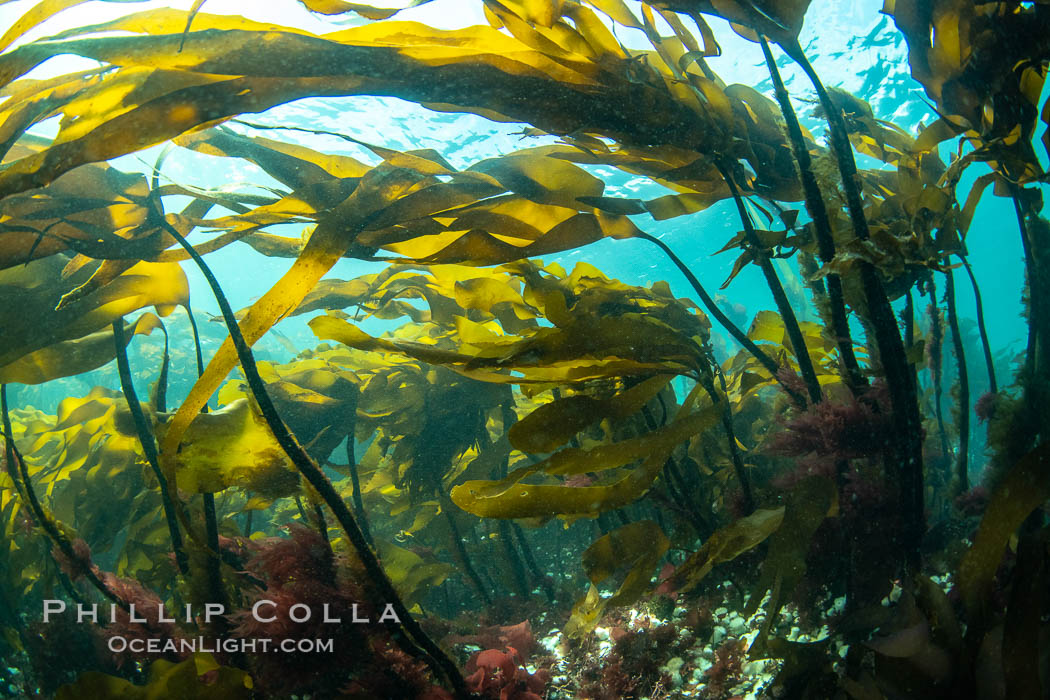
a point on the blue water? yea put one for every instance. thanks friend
(851, 44)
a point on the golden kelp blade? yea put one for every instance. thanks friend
(637, 548)
(338, 7)
(552, 425)
(727, 544)
(429, 60)
(36, 322)
(233, 447)
(72, 357)
(994, 97)
(588, 348)
(510, 498)
(807, 505)
(1022, 490)
(166, 679)
(294, 165)
(202, 54)
(317, 400)
(94, 210)
(411, 573)
(468, 219)
(39, 13)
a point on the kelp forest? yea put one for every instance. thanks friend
(487, 467)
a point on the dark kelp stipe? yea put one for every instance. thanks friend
(522, 438)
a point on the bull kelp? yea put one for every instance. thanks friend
(466, 416)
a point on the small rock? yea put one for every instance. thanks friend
(753, 668)
(673, 669)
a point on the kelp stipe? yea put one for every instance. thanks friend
(434, 656)
(761, 256)
(963, 427)
(145, 433)
(821, 224)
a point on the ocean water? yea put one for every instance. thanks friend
(678, 521)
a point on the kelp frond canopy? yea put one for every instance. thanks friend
(480, 432)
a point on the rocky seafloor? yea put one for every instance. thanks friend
(665, 649)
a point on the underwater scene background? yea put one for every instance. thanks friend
(525, 349)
